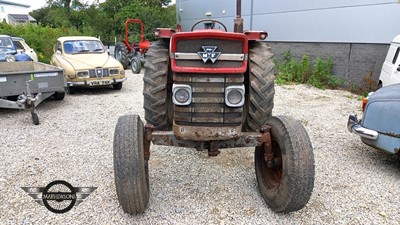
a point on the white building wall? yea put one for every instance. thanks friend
(11, 9)
(343, 21)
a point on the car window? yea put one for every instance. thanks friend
(83, 46)
(6, 43)
(18, 45)
(57, 46)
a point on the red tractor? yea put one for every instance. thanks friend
(211, 89)
(132, 53)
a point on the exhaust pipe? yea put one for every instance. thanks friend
(238, 21)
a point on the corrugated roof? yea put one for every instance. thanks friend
(13, 3)
(21, 17)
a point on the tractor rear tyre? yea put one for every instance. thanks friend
(260, 86)
(157, 87)
(121, 54)
(287, 181)
(130, 168)
(136, 64)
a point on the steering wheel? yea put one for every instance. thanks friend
(213, 22)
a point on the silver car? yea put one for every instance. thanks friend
(380, 125)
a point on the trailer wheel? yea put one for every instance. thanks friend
(35, 118)
(117, 86)
(157, 87)
(59, 96)
(121, 54)
(260, 88)
(286, 182)
(136, 64)
(130, 168)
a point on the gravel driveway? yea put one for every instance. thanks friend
(354, 184)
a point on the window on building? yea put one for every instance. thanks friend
(1, 9)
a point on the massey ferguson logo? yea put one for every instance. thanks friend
(209, 53)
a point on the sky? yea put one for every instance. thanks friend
(36, 4)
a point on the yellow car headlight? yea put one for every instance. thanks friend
(82, 74)
(114, 71)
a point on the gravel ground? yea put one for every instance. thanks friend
(354, 184)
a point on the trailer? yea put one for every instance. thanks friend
(24, 85)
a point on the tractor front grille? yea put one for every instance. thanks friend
(195, 46)
(208, 100)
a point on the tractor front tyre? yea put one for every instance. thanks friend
(157, 97)
(136, 64)
(130, 168)
(286, 181)
(121, 54)
(261, 88)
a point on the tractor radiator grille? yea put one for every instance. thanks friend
(195, 46)
(208, 100)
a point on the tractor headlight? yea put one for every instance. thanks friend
(234, 96)
(83, 74)
(181, 94)
(10, 58)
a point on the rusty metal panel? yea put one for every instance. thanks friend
(245, 139)
(209, 119)
(200, 133)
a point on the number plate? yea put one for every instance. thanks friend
(100, 82)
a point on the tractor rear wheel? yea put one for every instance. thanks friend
(121, 54)
(131, 170)
(286, 182)
(157, 88)
(261, 86)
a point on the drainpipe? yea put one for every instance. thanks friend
(238, 21)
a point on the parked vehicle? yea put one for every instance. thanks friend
(132, 53)
(22, 46)
(390, 73)
(211, 89)
(380, 124)
(86, 63)
(24, 85)
(8, 51)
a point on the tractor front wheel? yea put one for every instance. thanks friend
(121, 54)
(130, 168)
(136, 64)
(286, 181)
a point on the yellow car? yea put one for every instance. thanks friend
(86, 63)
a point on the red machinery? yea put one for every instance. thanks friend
(132, 53)
(211, 89)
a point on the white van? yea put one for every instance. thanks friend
(390, 73)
